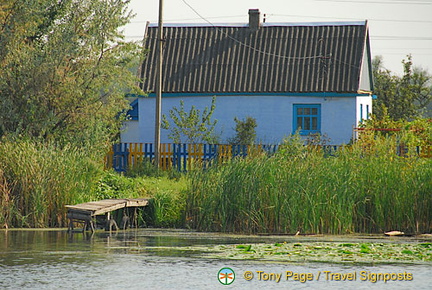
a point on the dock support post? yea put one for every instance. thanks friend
(70, 226)
(110, 223)
(89, 225)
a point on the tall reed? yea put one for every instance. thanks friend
(37, 181)
(361, 189)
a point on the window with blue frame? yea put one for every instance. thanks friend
(133, 112)
(307, 118)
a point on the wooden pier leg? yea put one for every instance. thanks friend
(114, 224)
(125, 219)
(108, 219)
(92, 226)
(71, 226)
(89, 225)
(110, 223)
(135, 218)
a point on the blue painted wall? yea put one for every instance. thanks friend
(273, 113)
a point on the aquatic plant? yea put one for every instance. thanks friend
(38, 180)
(362, 188)
(374, 252)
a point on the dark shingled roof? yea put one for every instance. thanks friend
(274, 58)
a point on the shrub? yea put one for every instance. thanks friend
(114, 185)
(245, 132)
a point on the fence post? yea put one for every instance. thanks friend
(109, 158)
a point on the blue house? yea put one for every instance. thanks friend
(311, 77)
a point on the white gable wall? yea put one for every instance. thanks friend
(273, 113)
(364, 108)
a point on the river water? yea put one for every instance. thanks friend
(149, 258)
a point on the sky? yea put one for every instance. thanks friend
(397, 27)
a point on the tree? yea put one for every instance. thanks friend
(422, 89)
(245, 131)
(402, 98)
(192, 125)
(64, 69)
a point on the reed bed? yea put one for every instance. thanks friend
(363, 189)
(38, 180)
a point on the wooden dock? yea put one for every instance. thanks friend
(86, 212)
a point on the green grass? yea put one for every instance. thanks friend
(168, 204)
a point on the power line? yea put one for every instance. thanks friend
(397, 2)
(403, 53)
(383, 37)
(296, 15)
(249, 46)
(347, 18)
(192, 19)
(402, 48)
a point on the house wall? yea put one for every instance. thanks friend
(364, 108)
(130, 132)
(338, 119)
(273, 113)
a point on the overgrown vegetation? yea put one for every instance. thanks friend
(37, 181)
(365, 188)
(418, 132)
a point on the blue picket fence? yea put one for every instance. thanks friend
(179, 156)
(183, 157)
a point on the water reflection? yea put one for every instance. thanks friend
(146, 258)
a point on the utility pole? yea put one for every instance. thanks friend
(159, 86)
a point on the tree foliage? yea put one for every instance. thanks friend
(402, 98)
(194, 126)
(65, 68)
(417, 132)
(245, 131)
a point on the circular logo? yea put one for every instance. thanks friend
(226, 276)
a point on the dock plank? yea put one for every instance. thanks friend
(88, 210)
(107, 205)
